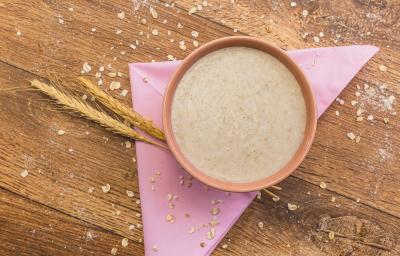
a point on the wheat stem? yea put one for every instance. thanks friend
(122, 110)
(85, 110)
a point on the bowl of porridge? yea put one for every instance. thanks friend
(239, 115)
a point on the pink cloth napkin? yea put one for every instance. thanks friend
(177, 211)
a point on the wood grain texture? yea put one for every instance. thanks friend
(29, 228)
(62, 169)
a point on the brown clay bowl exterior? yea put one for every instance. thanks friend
(307, 93)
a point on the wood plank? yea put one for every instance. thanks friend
(64, 169)
(359, 230)
(61, 179)
(28, 228)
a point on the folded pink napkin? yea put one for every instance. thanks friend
(181, 216)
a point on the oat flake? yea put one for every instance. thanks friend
(106, 188)
(114, 251)
(24, 173)
(125, 242)
(130, 193)
(115, 85)
(292, 207)
(351, 135)
(121, 15)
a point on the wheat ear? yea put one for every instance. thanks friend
(78, 106)
(122, 110)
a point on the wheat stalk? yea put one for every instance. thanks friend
(122, 110)
(75, 104)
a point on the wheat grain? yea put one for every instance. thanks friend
(74, 104)
(121, 109)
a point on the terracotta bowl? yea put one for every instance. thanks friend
(307, 93)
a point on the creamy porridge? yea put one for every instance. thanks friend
(238, 115)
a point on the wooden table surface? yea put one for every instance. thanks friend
(59, 207)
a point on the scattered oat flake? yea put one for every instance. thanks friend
(70, 9)
(125, 242)
(260, 224)
(60, 132)
(154, 31)
(194, 34)
(333, 199)
(351, 135)
(211, 234)
(132, 46)
(128, 144)
(292, 207)
(119, 31)
(192, 10)
(305, 13)
(130, 193)
(382, 68)
(153, 12)
(60, 20)
(170, 57)
(121, 15)
(143, 21)
(179, 25)
(316, 39)
(214, 223)
(90, 190)
(106, 188)
(293, 4)
(370, 117)
(322, 184)
(341, 102)
(215, 211)
(275, 198)
(321, 34)
(331, 235)
(114, 85)
(386, 120)
(114, 251)
(86, 68)
(192, 230)
(124, 92)
(354, 102)
(337, 113)
(24, 173)
(195, 43)
(19, 33)
(93, 29)
(358, 138)
(224, 246)
(111, 74)
(358, 200)
(182, 45)
(170, 218)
